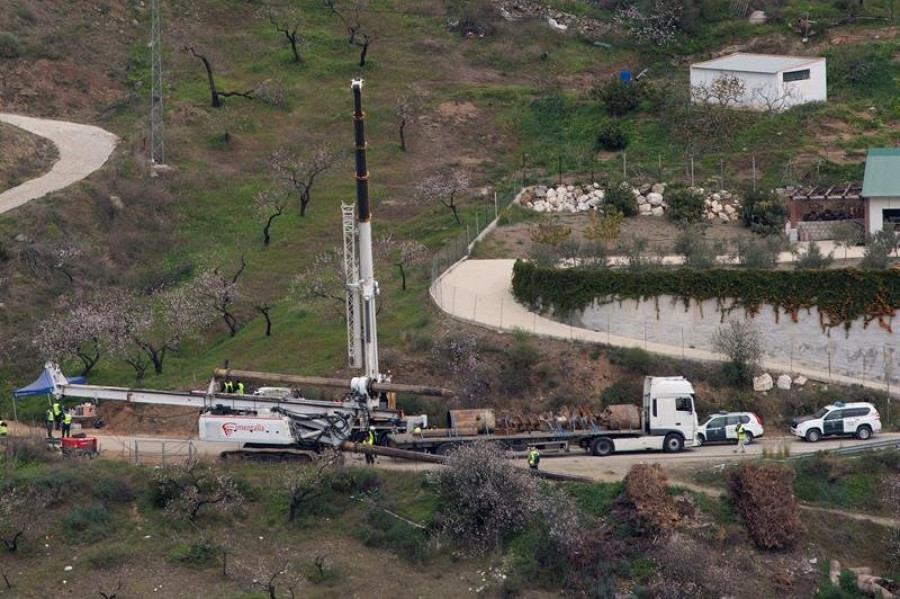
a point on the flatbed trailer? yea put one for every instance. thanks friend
(595, 442)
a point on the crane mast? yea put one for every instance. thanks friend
(368, 286)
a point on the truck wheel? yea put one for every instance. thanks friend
(673, 443)
(443, 449)
(863, 433)
(602, 446)
(813, 435)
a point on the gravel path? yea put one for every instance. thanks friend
(82, 150)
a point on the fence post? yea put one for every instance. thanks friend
(624, 165)
(721, 174)
(496, 214)
(559, 166)
(754, 189)
(163, 453)
(137, 461)
(523, 170)
(659, 167)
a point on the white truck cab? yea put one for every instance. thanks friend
(669, 411)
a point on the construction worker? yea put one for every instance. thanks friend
(240, 387)
(417, 430)
(741, 438)
(57, 414)
(370, 440)
(67, 424)
(4, 431)
(50, 419)
(229, 386)
(534, 458)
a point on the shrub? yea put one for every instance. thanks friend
(118, 489)
(763, 496)
(320, 571)
(812, 258)
(612, 137)
(685, 205)
(10, 46)
(623, 391)
(635, 359)
(521, 358)
(107, 557)
(482, 497)
(619, 98)
(879, 249)
(86, 524)
(699, 254)
(619, 196)
(199, 554)
(758, 253)
(764, 212)
(405, 540)
(740, 342)
(862, 70)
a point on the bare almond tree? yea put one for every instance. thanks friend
(447, 188)
(300, 172)
(322, 278)
(187, 491)
(287, 21)
(359, 32)
(406, 108)
(215, 93)
(221, 291)
(409, 253)
(270, 203)
(725, 91)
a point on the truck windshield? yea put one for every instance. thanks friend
(820, 413)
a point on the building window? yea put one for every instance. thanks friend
(796, 75)
(891, 218)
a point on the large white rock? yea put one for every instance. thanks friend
(582, 207)
(570, 188)
(800, 380)
(659, 188)
(654, 199)
(657, 211)
(540, 207)
(716, 206)
(593, 202)
(762, 382)
(724, 217)
(540, 192)
(729, 209)
(561, 191)
(644, 209)
(784, 382)
(641, 200)
(757, 17)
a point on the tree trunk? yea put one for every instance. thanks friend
(292, 513)
(213, 92)
(89, 361)
(264, 310)
(13, 543)
(266, 237)
(292, 38)
(455, 214)
(304, 202)
(231, 321)
(402, 276)
(362, 53)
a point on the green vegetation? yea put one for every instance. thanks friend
(840, 296)
(854, 483)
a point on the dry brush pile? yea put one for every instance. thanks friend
(763, 496)
(645, 503)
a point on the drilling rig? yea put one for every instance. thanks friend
(279, 426)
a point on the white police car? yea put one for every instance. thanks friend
(720, 427)
(859, 419)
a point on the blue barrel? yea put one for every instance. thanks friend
(625, 76)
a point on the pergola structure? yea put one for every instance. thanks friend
(813, 206)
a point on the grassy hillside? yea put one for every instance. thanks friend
(523, 91)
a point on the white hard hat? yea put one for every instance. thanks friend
(371, 427)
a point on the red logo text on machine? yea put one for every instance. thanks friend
(229, 428)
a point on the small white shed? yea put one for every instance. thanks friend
(770, 81)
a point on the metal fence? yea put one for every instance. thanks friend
(152, 452)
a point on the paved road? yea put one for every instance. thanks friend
(480, 292)
(82, 150)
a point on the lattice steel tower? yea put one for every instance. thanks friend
(157, 136)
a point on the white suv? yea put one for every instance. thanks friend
(721, 427)
(860, 419)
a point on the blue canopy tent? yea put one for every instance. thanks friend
(43, 384)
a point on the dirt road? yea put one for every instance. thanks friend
(82, 150)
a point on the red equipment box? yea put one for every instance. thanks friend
(82, 444)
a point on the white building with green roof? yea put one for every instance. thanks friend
(881, 189)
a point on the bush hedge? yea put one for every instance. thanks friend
(841, 296)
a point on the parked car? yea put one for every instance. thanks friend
(720, 427)
(859, 419)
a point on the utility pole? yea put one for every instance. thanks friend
(157, 141)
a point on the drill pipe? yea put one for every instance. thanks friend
(293, 379)
(404, 454)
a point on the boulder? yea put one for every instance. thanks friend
(594, 202)
(800, 380)
(641, 200)
(763, 382)
(657, 211)
(729, 209)
(550, 193)
(757, 17)
(716, 197)
(570, 188)
(659, 188)
(645, 188)
(540, 207)
(582, 207)
(561, 191)
(724, 217)
(644, 209)
(784, 382)
(540, 192)
(596, 185)
(654, 199)
(582, 199)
